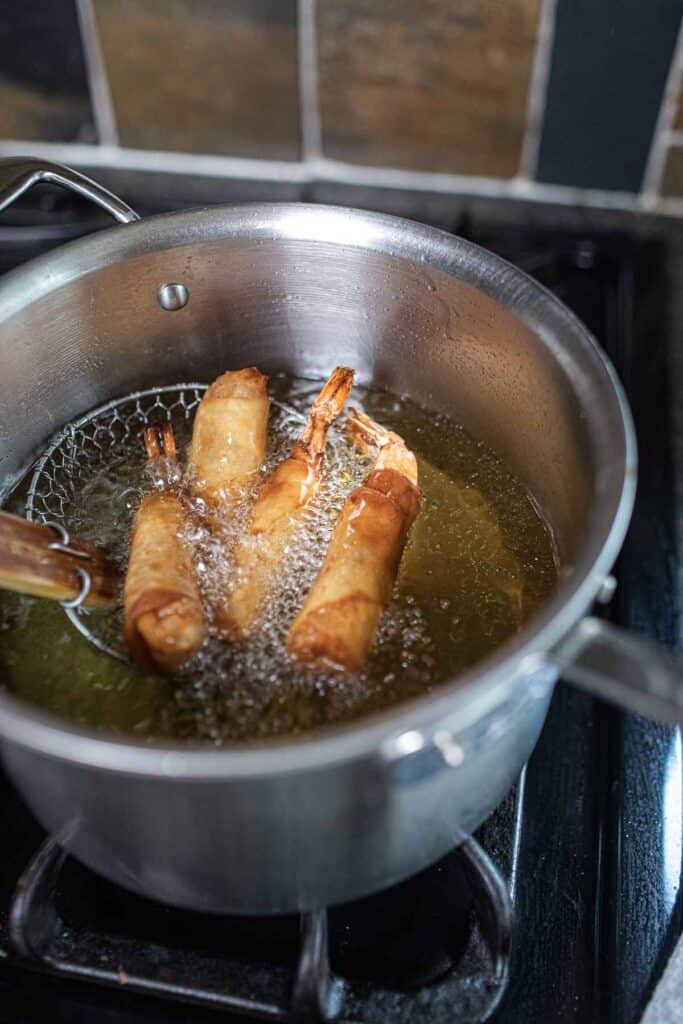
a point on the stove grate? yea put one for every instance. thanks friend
(307, 990)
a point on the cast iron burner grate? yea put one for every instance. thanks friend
(447, 928)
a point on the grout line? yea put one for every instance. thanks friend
(325, 171)
(668, 206)
(150, 160)
(538, 90)
(309, 99)
(654, 169)
(434, 181)
(103, 108)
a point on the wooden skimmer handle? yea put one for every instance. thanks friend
(44, 561)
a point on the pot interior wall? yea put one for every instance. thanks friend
(303, 306)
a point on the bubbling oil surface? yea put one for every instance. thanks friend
(478, 562)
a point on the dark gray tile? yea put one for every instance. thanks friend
(43, 82)
(609, 66)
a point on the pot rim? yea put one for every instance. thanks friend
(468, 695)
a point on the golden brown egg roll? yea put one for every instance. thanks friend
(164, 623)
(229, 435)
(338, 622)
(277, 510)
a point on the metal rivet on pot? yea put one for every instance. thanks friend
(449, 748)
(173, 296)
(606, 591)
(408, 743)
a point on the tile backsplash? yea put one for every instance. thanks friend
(607, 77)
(44, 92)
(432, 85)
(203, 76)
(518, 97)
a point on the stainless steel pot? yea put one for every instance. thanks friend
(292, 825)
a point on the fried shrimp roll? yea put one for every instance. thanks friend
(277, 510)
(229, 435)
(338, 622)
(164, 619)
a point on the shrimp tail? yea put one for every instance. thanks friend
(363, 433)
(325, 410)
(160, 442)
(276, 511)
(372, 439)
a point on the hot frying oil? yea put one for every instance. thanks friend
(478, 562)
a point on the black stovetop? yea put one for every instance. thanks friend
(565, 905)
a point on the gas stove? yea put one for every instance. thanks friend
(562, 908)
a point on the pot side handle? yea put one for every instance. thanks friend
(608, 662)
(18, 174)
(624, 669)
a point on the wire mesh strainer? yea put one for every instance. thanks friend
(89, 480)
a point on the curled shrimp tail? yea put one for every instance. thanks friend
(160, 441)
(278, 505)
(391, 450)
(325, 409)
(162, 455)
(333, 394)
(364, 434)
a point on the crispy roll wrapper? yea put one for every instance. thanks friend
(229, 435)
(337, 625)
(277, 512)
(164, 620)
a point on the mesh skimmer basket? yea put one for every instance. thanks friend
(90, 478)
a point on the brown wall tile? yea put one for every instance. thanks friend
(28, 112)
(672, 181)
(426, 84)
(203, 76)
(678, 119)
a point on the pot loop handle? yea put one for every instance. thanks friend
(624, 669)
(18, 174)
